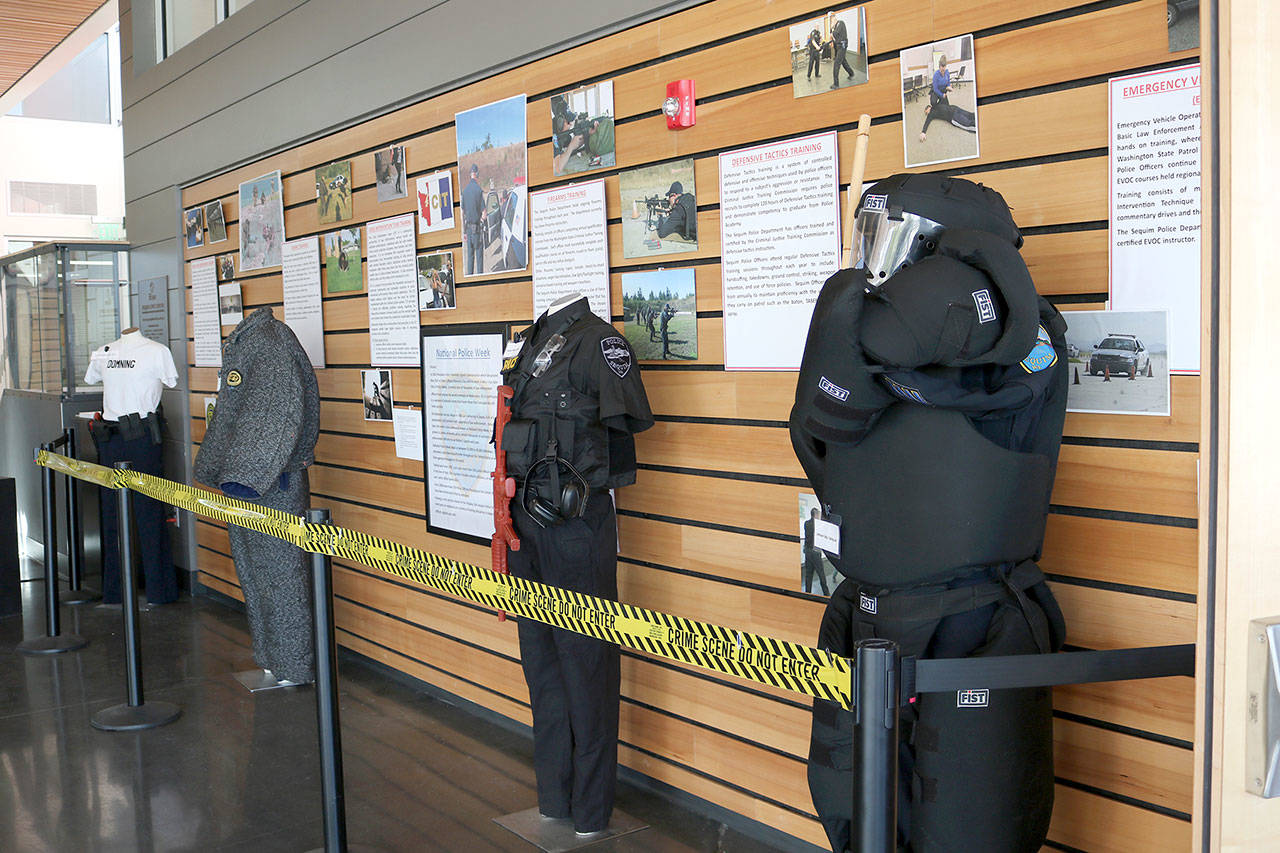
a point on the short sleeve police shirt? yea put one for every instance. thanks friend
(133, 371)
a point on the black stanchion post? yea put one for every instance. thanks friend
(335, 809)
(75, 534)
(875, 746)
(136, 713)
(54, 641)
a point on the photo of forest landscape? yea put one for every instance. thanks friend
(660, 314)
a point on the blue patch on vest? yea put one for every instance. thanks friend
(1042, 355)
(911, 395)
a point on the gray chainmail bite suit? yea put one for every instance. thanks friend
(257, 448)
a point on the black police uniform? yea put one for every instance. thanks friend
(928, 417)
(584, 408)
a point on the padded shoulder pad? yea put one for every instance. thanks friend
(938, 311)
(1006, 269)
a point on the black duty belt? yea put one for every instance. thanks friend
(129, 428)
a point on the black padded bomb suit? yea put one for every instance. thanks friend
(585, 409)
(928, 417)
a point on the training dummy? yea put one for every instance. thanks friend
(928, 416)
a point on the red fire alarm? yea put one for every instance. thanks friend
(679, 106)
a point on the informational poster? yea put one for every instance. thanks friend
(393, 292)
(205, 325)
(408, 433)
(780, 233)
(1155, 203)
(153, 308)
(571, 246)
(460, 377)
(302, 308)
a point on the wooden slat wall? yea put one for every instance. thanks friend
(704, 532)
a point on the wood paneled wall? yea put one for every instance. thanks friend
(708, 531)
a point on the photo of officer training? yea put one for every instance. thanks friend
(659, 210)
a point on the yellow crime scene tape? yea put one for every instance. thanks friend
(764, 660)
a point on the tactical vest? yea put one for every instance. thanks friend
(550, 417)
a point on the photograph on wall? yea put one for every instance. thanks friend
(582, 129)
(230, 304)
(333, 192)
(659, 210)
(1183, 20)
(817, 574)
(493, 170)
(376, 392)
(215, 221)
(389, 173)
(435, 202)
(343, 270)
(939, 102)
(825, 49)
(435, 281)
(660, 314)
(1119, 362)
(461, 370)
(227, 266)
(193, 225)
(261, 222)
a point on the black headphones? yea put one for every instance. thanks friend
(571, 502)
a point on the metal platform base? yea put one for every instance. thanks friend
(52, 645)
(557, 836)
(132, 718)
(257, 680)
(79, 596)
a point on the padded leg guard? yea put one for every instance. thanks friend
(983, 776)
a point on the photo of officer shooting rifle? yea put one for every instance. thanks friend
(582, 129)
(664, 210)
(660, 314)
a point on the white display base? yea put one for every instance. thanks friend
(557, 836)
(257, 680)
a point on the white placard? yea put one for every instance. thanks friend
(780, 233)
(460, 378)
(826, 535)
(407, 424)
(570, 246)
(1155, 203)
(153, 308)
(206, 326)
(303, 311)
(393, 292)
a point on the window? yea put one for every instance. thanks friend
(180, 22)
(27, 197)
(80, 91)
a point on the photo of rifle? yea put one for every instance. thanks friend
(504, 489)
(657, 206)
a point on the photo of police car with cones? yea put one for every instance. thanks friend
(1119, 362)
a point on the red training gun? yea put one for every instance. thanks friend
(504, 489)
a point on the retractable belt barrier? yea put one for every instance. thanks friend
(765, 660)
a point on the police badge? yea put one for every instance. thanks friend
(617, 355)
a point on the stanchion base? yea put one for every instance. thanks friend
(557, 836)
(257, 680)
(52, 645)
(79, 596)
(131, 718)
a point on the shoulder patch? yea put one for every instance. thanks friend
(617, 355)
(233, 378)
(1042, 355)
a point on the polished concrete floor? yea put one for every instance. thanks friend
(239, 771)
